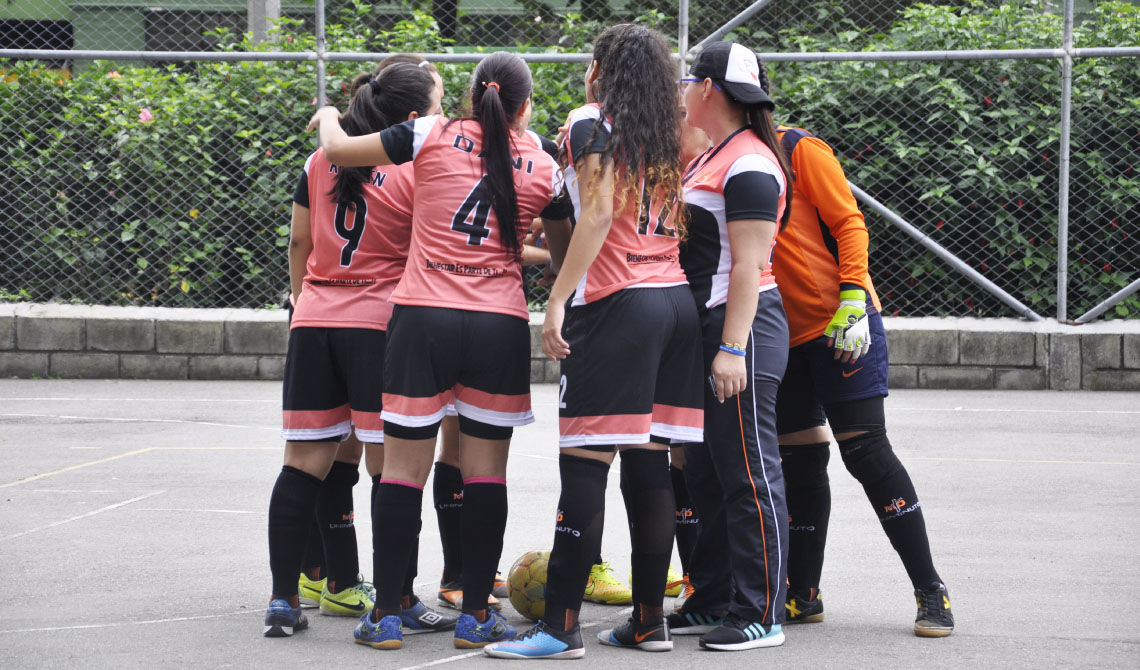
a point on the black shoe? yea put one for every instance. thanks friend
(804, 609)
(692, 623)
(649, 637)
(934, 617)
(738, 634)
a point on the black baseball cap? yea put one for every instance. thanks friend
(736, 68)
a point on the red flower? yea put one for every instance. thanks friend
(940, 224)
(1108, 267)
(988, 101)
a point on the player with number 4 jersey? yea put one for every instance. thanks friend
(460, 329)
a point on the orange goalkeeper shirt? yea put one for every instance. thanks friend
(825, 242)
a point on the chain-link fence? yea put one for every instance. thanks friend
(165, 178)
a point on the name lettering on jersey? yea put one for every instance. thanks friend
(518, 165)
(467, 145)
(376, 179)
(463, 269)
(464, 144)
(341, 282)
(637, 259)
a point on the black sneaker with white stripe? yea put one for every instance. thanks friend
(691, 623)
(738, 634)
(419, 618)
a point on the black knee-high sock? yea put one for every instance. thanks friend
(871, 460)
(396, 522)
(291, 510)
(687, 521)
(808, 491)
(577, 537)
(651, 497)
(484, 522)
(338, 532)
(313, 563)
(413, 565)
(447, 488)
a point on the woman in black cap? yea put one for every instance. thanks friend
(735, 193)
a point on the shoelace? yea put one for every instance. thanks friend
(607, 576)
(932, 602)
(537, 630)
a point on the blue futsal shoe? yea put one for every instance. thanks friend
(541, 641)
(384, 634)
(282, 619)
(471, 634)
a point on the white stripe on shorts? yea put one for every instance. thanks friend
(492, 417)
(370, 436)
(565, 441)
(296, 434)
(412, 421)
(678, 433)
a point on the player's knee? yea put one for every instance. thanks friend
(869, 457)
(343, 474)
(805, 465)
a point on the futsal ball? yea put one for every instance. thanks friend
(526, 584)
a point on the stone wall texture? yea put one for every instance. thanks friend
(69, 341)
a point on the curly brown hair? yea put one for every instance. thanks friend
(637, 91)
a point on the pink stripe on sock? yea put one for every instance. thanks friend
(400, 482)
(486, 480)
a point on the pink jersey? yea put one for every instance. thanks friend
(457, 259)
(359, 250)
(641, 248)
(740, 179)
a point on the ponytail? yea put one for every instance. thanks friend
(378, 100)
(760, 120)
(500, 87)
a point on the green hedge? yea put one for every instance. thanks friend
(191, 207)
(967, 151)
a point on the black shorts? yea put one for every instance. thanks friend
(480, 361)
(333, 383)
(814, 379)
(634, 369)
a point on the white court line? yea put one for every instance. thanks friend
(140, 420)
(128, 623)
(194, 511)
(1018, 410)
(459, 657)
(82, 516)
(178, 400)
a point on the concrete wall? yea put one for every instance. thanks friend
(154, 343)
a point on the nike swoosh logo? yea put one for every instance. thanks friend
(641, 638)
(358, 607)
(848, 374)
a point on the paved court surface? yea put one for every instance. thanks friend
(132, 534)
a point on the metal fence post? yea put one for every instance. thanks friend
(319, 27)
(1063, 174)
(683, 36)
(259, 15)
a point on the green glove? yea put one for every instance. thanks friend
(849, 326)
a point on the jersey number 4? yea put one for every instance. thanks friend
(351, 236)
(471, 217)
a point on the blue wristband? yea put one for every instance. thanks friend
(733, 350)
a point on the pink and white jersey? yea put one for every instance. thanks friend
(641, 248)
(359, 249)
(740, 179)
(457, 259)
